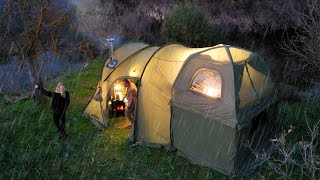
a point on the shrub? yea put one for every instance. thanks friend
(187, 24)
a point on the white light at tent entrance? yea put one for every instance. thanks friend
(211, 91)
(117, 87)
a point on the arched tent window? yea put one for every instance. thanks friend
(207, 82)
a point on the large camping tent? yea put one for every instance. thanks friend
(197, 100)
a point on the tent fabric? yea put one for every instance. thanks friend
(156, 91)
(97, 105)
(97, 109)
(254, 86)
(203, 129)
(133, 66)
(204, 141)
(222, 109)
(122, 54)
(210, 123)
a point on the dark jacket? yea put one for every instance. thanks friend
(59, 104)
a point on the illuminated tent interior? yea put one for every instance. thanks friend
(199, 101)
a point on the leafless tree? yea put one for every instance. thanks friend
(302, 50)
(33, 27)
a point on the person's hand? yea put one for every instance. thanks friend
(36, 86)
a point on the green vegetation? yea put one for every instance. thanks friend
(295, 154)
(30, 147)
(187, 24)
(297, 115)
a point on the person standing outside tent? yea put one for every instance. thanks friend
(59, 105)
(131, 98)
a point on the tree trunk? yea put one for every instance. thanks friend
(35, 79)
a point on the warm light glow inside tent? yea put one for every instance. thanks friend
(119, 90)
(207, 82)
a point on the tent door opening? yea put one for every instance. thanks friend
(116, 98)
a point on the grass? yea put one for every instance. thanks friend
(30, 147)
(298, 114)
(295, 116)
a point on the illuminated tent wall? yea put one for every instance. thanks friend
(128, 57)
(196, 100)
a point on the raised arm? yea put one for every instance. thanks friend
(45, 92)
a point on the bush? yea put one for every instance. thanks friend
(188, 25)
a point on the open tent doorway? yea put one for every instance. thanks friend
(117, 102)
(132, 59)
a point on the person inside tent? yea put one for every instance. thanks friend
(59, 105)
(131, 98)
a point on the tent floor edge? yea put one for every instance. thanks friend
(98, 124)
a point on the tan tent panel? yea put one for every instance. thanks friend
(202, 118)
(97, 109)
(156, 91)
(223, 107)
(121, 54)
(218, 54)
(204, 141)
(255, 85)
(134, 65)
(240, 55)
(197, 100)
(97, 106)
